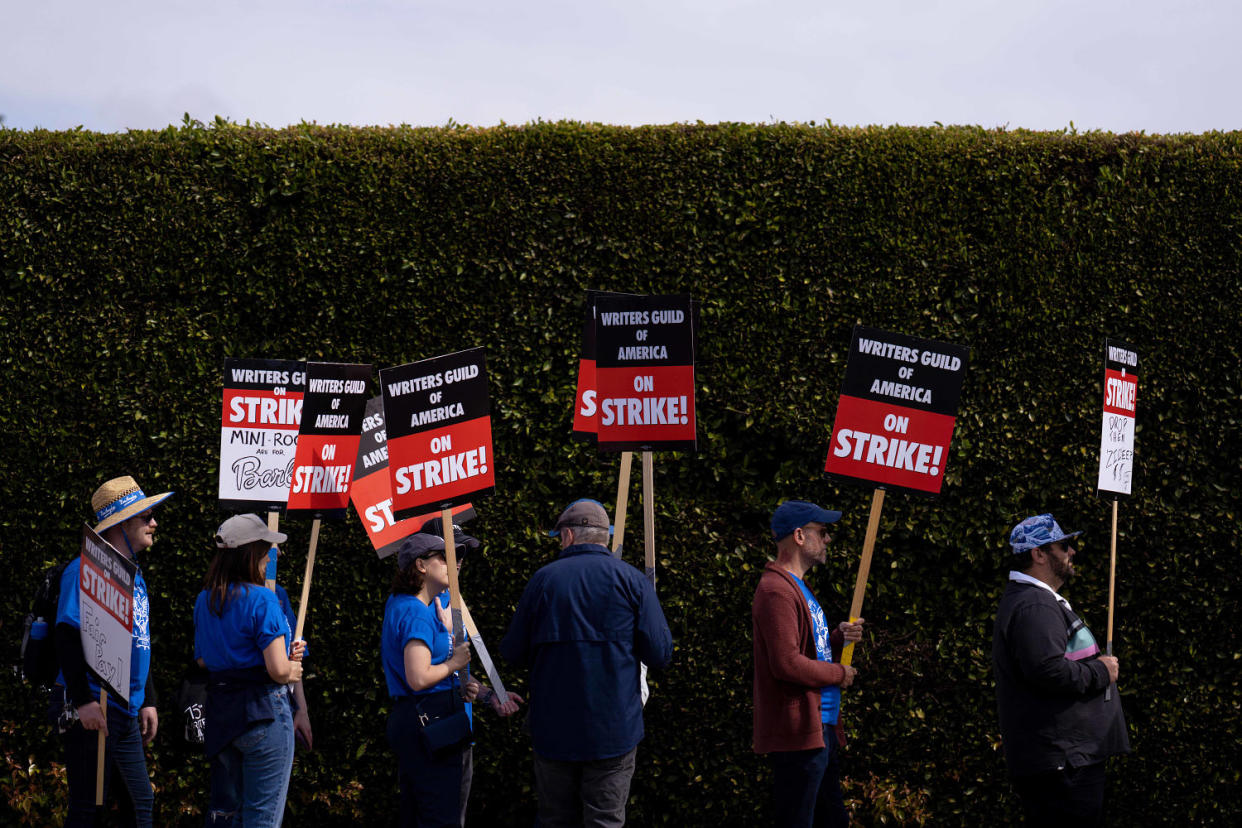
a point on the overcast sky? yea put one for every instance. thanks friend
(1117, 65)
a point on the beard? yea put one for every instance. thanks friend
(1062, 569)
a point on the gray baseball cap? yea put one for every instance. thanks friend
(584, 512)
(240, 530)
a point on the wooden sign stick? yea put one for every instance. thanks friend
(306, 581)
(860, 586)
(1112, 581)
(450, 557)
(649, 517)
(623, 497)
(273, 524)
(99, 760)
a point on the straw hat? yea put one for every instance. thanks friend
(119, 499)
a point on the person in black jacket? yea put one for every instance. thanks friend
(1058, 723)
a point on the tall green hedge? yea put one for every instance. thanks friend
(133, 264)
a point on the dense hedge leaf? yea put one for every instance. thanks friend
(133, 264)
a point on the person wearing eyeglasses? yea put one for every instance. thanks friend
(1059, 724)
(798, 680)
(125, 519)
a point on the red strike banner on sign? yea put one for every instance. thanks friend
(873, 442)
(457, 461)
(898, 406)
(1120, 392)
(111, 596)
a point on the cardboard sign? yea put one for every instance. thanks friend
(332, 409)
(1121, 366)
(584, 400)
(371, 492)
(439, 432)
(259, 432)
(644, 372)
(898, 406)
(106, 610)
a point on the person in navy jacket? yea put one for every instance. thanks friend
(583, 625)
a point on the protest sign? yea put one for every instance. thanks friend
(106, 602)
(1117, 429)
(898, 406)
(1116, 470)
(439, 430)
(261, 414)
(893, 425)
(644, 372)
(371, 492)
(332, 408)
(585, 408)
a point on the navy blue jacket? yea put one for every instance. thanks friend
(583, 624)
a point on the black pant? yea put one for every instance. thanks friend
(1066, 798)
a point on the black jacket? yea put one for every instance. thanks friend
(1052, 708)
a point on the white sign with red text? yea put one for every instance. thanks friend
(1117, 429)
(106, 611)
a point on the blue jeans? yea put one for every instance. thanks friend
(591, 793)
(250, 777)
(124, 760)
(806, 786)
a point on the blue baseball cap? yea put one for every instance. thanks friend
(793, 514)
(1036, 531)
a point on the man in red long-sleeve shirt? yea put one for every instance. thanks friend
(798, 683)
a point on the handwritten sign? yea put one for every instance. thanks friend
(1121, 367)
(106, 609)
(259, 432)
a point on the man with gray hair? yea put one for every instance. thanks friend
(583, 624)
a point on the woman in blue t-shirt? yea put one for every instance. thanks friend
(241, 636)
(420, 668)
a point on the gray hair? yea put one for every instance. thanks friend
(590, 534)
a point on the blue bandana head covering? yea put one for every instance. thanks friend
(1037, 531)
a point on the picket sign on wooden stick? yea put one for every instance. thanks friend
(450, 557)
(649, 517)
(623, 497)
(860, 585)
(99, 759)
(273, 525)
(306, 581)
(489, 667)
(1112, 582)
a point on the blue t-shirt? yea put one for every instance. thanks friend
(406, 619)
(830, 697)
(68, 612)
(252, 619)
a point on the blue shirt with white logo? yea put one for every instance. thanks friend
(68, 612)
(830, 697)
